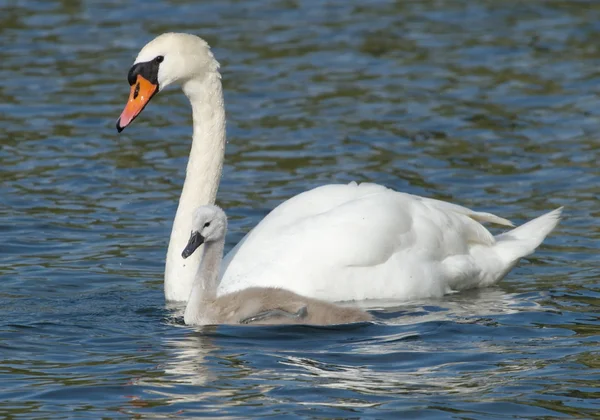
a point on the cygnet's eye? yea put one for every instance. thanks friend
(207, 224)
(159, 59)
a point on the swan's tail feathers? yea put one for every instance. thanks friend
(523, 240)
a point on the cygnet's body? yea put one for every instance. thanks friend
(266, 305)
(255, 305)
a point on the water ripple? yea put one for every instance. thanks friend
(489, 104)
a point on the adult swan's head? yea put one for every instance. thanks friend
(187, 60)
(167, 59)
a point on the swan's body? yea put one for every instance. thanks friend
(366, 241)
(372, 242)
(254, 305)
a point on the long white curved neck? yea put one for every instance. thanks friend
(202, 179)
(206, 282)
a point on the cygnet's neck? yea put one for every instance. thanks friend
(204, 288)
(202, 178)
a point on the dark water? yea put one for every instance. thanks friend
(493, 105)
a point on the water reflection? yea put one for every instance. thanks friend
(407, 359)
(191, 355)
(186, 360)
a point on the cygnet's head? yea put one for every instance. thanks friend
(209, 225)
(168, 58)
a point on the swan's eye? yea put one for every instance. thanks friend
(159, 59)
(207, 224)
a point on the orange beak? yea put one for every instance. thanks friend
(141, 93)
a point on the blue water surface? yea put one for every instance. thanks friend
(492, 105)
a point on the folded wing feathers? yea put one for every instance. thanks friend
(482, 217)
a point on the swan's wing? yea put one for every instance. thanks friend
(327, 197)
(307, 204)
(277, 316)
(347, 235)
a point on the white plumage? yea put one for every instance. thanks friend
(354, 242)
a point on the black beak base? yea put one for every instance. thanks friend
(196, 239)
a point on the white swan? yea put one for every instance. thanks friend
(336, 242)
(254, 305)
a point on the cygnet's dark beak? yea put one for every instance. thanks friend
(196, 239)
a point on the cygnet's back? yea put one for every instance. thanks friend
(256, 305)
(264, 305)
